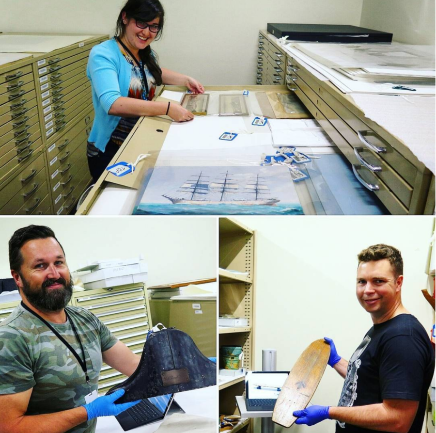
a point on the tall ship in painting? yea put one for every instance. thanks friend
(199, 190)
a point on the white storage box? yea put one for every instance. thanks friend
(234, 322)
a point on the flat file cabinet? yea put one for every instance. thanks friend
(125, 311)
(270, 62)
(23, 180)
(53, 116)
(379, 160)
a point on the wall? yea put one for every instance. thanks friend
(410, 21)
(215, 41)
(305, 286)
(166, 243)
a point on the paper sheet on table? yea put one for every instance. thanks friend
(184, 423)
(173, 96)
(204, 133)
(347, 85)
(395, 55)
(301, 139)
(410, 119)
(38, 43)
(11, 57)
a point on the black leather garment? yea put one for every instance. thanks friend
(170, 362)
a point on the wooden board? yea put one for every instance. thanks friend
(301, 383)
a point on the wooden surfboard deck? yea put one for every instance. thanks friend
(301, 383)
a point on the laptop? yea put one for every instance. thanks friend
(147, 411)
(262, 389)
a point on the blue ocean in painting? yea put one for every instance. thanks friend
(217, 209)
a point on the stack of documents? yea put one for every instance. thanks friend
(116, 272)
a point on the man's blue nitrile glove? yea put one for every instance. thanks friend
(105, 406)
(312, 415)
(212, 358)
(334, 358)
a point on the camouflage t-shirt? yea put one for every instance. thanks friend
(31, 356)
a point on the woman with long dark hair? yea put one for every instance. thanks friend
(124, 73)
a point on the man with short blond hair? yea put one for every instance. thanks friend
(388, 376)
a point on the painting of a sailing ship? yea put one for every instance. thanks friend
(235, 190)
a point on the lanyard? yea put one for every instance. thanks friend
(82, 362)
(140, 66)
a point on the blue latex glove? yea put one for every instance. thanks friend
(312, 415)
(334, 358)
(105, 406)
(212, 358)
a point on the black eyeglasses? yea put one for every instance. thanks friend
(154, 28)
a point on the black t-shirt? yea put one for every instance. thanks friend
(395, 360)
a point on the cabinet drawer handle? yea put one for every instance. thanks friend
(55, 77)
(16, 75)
(25, 157)
(64, 144)
(22, 149)
(88, 131)
(69, 192)
(63, 123)
(278, 70)
(31, 209)
(54, 69)
(60, 118)
(58, 97)
(17, 95)
(369, 166)
(87, 120)
(55, 83)
(261, 43)
(18, 133)
(279, 62)
(61, 160)
(18, 124)
(15, 86)
(32, 174)
(18, 115)
(28, 194)
(64, 171)
(57, 91)
(58, 106)
(293, 68)
(373, 147)
(67, 181)
(292, 89)
(73, 199)
(278, 54)
(370, 186)
(18, 142)
(18, 105)
(52, 61)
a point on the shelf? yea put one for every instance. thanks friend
(230, 227)
(229, 381)
(226, 277)
(230, 330)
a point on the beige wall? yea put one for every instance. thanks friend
(305, 279)
(215, 41)
(166, 243)
(410, 21)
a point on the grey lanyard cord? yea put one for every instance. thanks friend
(82, 362)
(141, 67)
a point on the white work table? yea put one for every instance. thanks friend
(200, 402)
(331, 188)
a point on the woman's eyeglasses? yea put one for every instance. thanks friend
(154, 28)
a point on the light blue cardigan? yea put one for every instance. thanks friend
(109, 73)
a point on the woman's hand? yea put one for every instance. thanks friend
(178, 113)
(194, 86)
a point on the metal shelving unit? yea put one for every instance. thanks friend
(236, 297)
